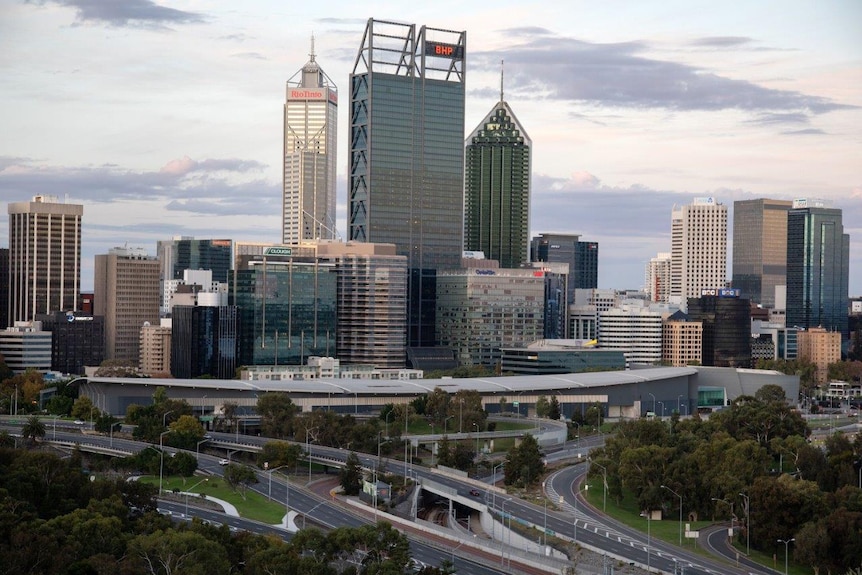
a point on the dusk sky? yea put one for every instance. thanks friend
(164, 118)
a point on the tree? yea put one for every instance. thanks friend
(542, 406)
(554, 409)
(276, 411)
(83, 408)
(524, 463)
(117, 368)
(185, 432)
(279, 453)
(239, 477)
(350, 475)
(105, 422)
(437, 406)
(33, 430)
(181, 463)
(172, 551)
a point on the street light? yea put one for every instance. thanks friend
(661, 403)
(286, 496)
(503, 526)
(191, 488)
(494, 483)
(446, 424)
(680, 511)
(308, 446)
(786, 543)
(162, 458)
(164, 417)
(731, 511)
(578, 425)
(747, 525)
(653, 403)
(604, 485)
(476, 425)
(309, 512)
(545, 527)
(678, 397)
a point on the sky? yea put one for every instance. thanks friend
(164, 118)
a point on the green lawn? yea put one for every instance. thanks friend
(254, 506)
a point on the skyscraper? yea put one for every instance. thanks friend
(44, 257)
(726, 320)
(406, 164)
(497, 188)
(818, 267)
(760, 248)
(126, 290)
(657, 280)
(698, 249)
(310, 138)
(586, 273)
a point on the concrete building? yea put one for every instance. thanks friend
(4, 288)
(821, 347)
(634, 330)
(760, 248)
(26, 346)
(657, 278)
(818, 267)
(482, 311)
(77, 340)
(126, 294)
(406, 164)
(155, 359)
(726, 320)
(310, 154)
(779, 341)
(44, 273)
(698, 249)
(497, 187)
(583, 322)
(186, 254)
(681, 341)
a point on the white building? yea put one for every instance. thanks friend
(657, 278)
(310, 132)
(634, 329)
(698, 249)
(25, 346)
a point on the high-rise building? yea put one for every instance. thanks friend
(657, 278)
(760, 248)
(310, 141)
(497, 187)
(698, 249)
(77, 340)
(406, 165)
(681, 341)
(26, 346)
(155, 359)
(726, 320)
(4, 291)
(581, 257)
(204, 341)
(44, 257)
(633, 329)
(821, 347)
(586, 272)
(126, 293)
(186, 253)
(818, 267)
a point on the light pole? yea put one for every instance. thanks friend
(731, 511)
(661, 403)
(578, 432)
(494, 483)
(189, 489)
(545, 525)
(678, 397)
(198, 448)
(653, 403)
(604, 485)
(386, 419)
(680, 511)
(286, 496)
(446, 425)
(747, 525)
(309, 512)
(786, 543)
(502, 527)
(164, 417)
(162, 458)
(476, 425)
(308, 446)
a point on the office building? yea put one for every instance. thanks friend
(698, 249)
(186, 253)
(26, 346)
(310, 142)
(287, 304)
(633, 329)
(657, 278)
(556, 304)
(406, 164)
(581, 257)
(126, 294)
(583, 322)
(760, 248)
(481, 311)
(77, 340)
(681, 341)
(497, 187)
(205, 340)
(821, 347)
(548, 357)
(586, 270)
(155, 359)
(4, 288)
(818, 267)
(726, 319)
(44, 257)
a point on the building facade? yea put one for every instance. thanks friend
(497, 188)
(636, 331)
(482, 311)
(406, 164)
(26, 346)
(821, 347)
(310, 146)
(155, 357)
(204, 341)
(818, 267)
(44, 273)
(126, 294)
(657, 278)
(77, 340)
(586, 271)
(726, 320)
(681, 341)
(186, 253)
(698, 249)
(760, 248)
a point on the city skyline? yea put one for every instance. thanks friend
(163, 121)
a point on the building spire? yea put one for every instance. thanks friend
(501, 80)
(311, 55)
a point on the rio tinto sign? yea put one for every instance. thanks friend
(312, 94)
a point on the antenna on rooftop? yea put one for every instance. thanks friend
(312, 47)
(501, 80)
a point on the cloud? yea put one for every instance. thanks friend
(185, 165)
(618, 75)
(721, 41)
(128, 12)
(249, 56)
(771, 118)
(805, 132)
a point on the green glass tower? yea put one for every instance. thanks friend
(497, 188)
(406, 164)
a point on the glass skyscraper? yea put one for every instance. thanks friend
(406, 164)
(818, 267)
(760, 248)
(310, 138)
(497, 188)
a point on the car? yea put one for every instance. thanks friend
(79, 422)
(475, 492)
(223, 461)
(208, 436)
